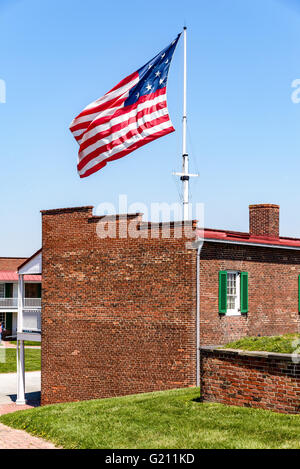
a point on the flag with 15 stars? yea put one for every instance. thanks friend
(130, 115)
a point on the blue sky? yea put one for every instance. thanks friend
(59, 55)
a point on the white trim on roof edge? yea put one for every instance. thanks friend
(262, 245)
(33, 266)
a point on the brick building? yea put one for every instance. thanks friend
(126, 314)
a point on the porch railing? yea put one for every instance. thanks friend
(32, 302)
(9, 303)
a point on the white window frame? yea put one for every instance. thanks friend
(2, 290)
(237, 310)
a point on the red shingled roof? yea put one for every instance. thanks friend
(11, 263)
(9, 267)
(10, 276)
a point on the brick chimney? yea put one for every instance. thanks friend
(264, 220)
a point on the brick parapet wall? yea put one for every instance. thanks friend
(118, 315)
(250, 379)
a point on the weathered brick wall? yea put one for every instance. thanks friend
(251, 379)
(273, 292)
(118, 315)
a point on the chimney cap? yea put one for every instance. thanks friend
(264, 206)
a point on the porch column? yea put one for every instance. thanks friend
(20, 303)
(21, 373)
(20, 346)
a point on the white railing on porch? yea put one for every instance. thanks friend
(8, 303)
(32, 302)
(13, 303)
(31, 321)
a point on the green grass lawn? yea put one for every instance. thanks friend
(289, 343)
(170, 419)
(26, 343)
(8, 360)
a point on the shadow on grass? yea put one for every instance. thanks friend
(198, 399)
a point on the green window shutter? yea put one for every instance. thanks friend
(222, 292)
(244, 292)
(39, 290)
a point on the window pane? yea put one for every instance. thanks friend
(231, 290)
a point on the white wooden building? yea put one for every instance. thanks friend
(29, 318)
(9, 280)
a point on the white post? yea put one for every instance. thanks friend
(20, 346)
(21, 373)
(185, 159)
(20, 303)
(184, 175)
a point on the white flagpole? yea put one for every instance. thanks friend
(185, 159)
(185, 176)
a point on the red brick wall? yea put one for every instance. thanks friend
(118, 315)
(267, 381)
(273, 292)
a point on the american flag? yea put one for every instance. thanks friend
(130, 115)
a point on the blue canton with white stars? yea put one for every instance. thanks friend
(153, 75)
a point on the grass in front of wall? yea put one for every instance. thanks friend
(26, 343)
(8, 360)
(288, 343)
(164, 420)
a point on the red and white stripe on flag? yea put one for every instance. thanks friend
(130, 115)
